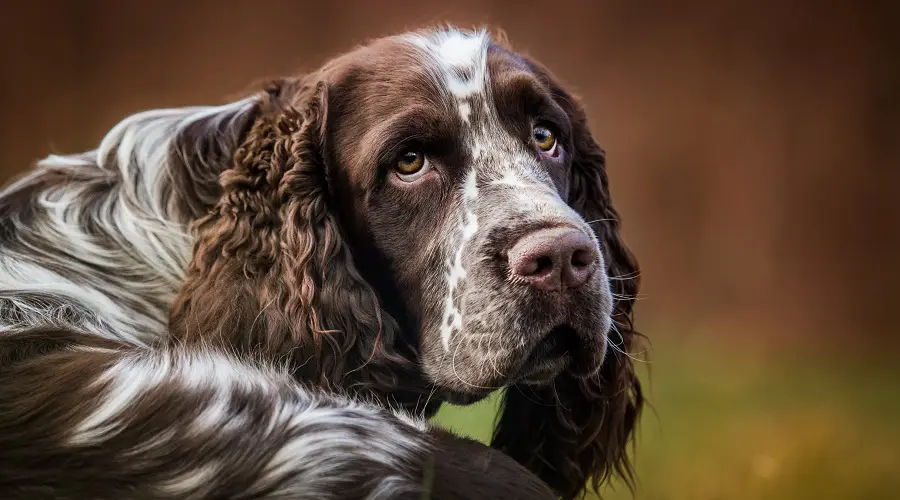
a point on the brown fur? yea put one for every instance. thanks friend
(286, 266)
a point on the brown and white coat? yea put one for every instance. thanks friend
(266, 299)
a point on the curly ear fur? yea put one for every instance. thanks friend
(271, 274)
(578, 429)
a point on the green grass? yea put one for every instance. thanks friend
(731, 426)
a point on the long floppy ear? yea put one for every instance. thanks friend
(271, 274)
(576, 431)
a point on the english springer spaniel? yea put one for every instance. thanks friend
(267, 299)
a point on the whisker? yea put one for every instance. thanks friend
(558, 399)
(602, 220)
(456, 372)
(428, 399)
(618, 349)
(537, 402)
(624, 277)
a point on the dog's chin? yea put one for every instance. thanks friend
(545, 371)
(560, 349)
(548, 358)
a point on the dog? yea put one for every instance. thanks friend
(268, 298)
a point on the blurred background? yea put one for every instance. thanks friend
(754, 155)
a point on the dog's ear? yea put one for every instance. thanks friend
(575, 432)
(202, 149)
(271, 273)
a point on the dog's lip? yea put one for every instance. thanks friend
(546, 370)
(550, 355)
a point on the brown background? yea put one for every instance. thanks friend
(754, 147)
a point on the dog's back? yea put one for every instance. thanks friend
(99, 241)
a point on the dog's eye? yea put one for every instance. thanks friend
(544, 138)
(411, 164)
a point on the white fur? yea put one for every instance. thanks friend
(213, 414)
(460, 62)
(120, 270)
(470, 191)
(452, 53)
(314, 437)
(452, 319)
(150, 444)
(191, 480)
(115, 275)
(415, 422)
(128, 380)
(308, 448)
(132, 376)
(510, 179)
(455, 48)
(464, 111)
(107, 251)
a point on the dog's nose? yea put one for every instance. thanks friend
(554, 259)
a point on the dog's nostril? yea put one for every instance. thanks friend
(542, 265)
(583, 258)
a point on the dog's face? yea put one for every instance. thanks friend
(450, 159)
(427, 215)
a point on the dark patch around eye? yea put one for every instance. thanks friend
(550, 115)
(523, 101)
(424, 133)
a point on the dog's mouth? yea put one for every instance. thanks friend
(553, 354)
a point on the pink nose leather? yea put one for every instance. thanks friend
(554, 259)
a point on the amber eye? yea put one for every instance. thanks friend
(544, 138)
(410, 162)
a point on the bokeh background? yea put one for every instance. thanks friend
(753, 150)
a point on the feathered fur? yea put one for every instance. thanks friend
(254, 275)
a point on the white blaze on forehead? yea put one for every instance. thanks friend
(464, 111)
(459, 63)
(460, 60)
(458, 49)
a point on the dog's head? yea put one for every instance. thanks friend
(430, 212)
